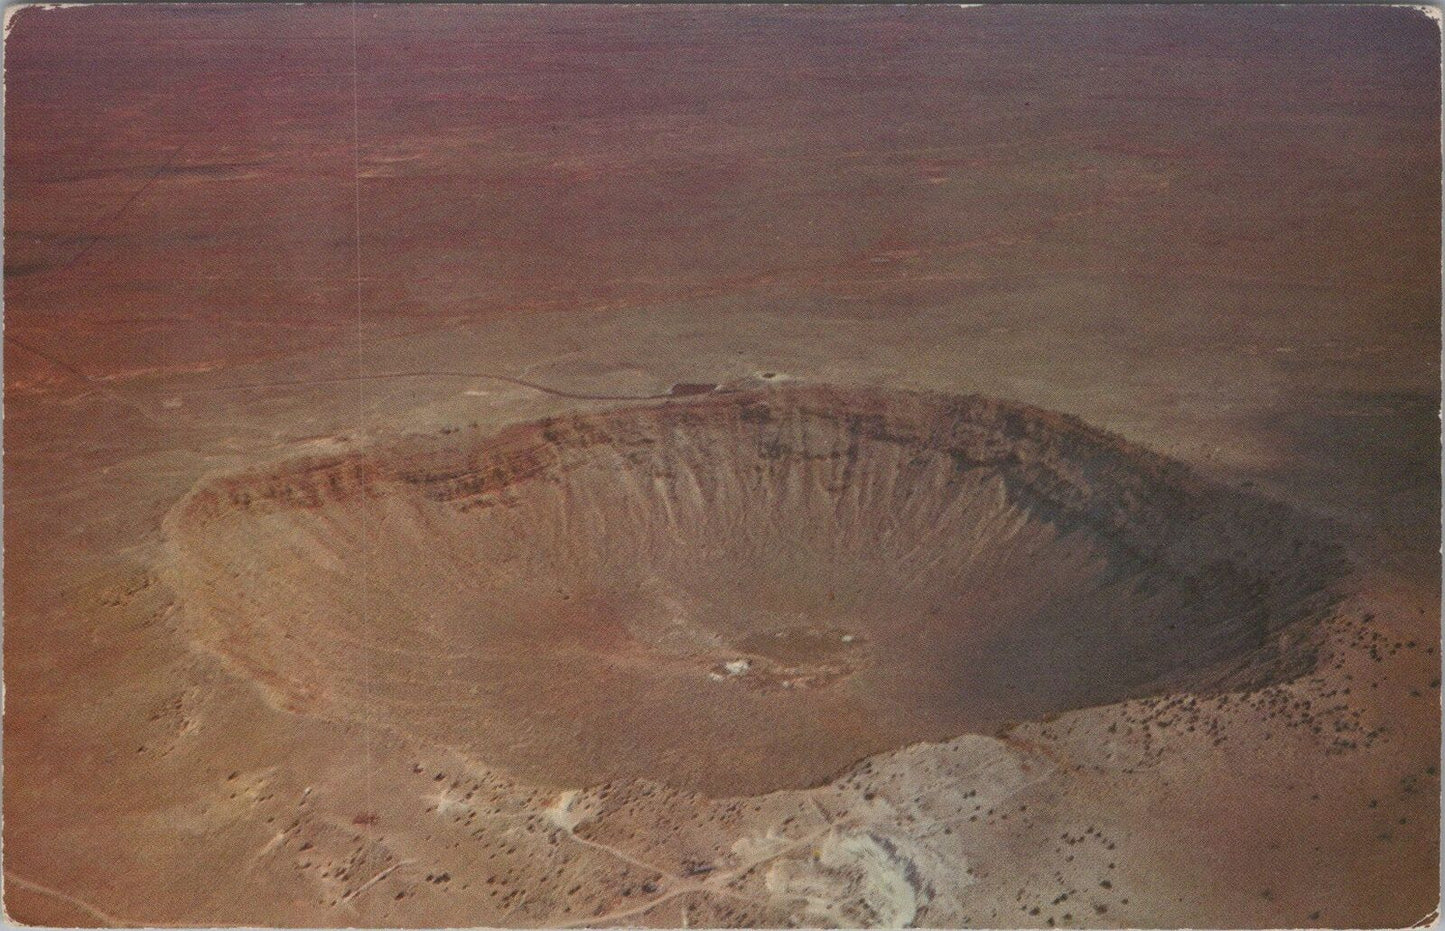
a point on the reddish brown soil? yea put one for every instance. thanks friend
(239, 238)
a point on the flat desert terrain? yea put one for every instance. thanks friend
(722, 466)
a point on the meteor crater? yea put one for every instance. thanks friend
(736, 592)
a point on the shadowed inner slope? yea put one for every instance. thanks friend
(744, 591)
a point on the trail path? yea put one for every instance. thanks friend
(105, 917)
(712, 884)
(433, 373)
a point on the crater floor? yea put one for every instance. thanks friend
(740, 592)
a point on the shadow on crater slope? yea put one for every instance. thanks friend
(741, 592)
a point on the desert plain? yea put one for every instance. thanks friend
(531, 466)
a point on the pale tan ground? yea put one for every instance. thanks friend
(1160, 265)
